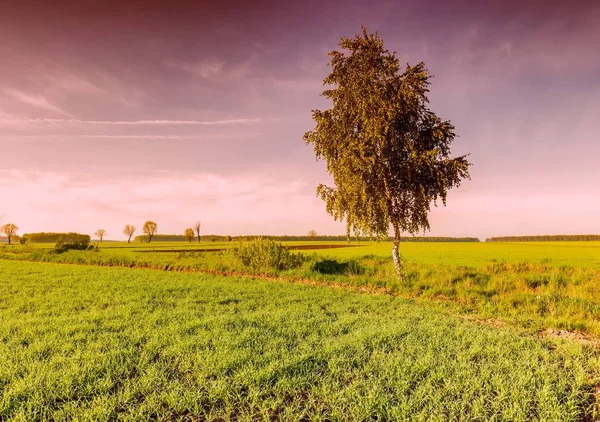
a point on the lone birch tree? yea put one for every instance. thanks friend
(388, 153)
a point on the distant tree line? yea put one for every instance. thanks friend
(546, 238)
(188, 234)
(52, 237)
(288, 238)
(312, 236)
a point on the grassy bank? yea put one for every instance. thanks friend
(92, 343)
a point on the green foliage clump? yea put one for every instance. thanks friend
(79, 242)
(266, 255)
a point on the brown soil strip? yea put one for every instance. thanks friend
(578, 337)
(292, 248)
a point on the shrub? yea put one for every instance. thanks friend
(74, 241)
(266, 255)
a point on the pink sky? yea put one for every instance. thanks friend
(115, 113)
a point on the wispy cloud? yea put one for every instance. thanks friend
(238, 121)
(74, 83)
(36, 101)
(205, 69)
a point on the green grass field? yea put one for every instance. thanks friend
(474, 331)
(90, 343)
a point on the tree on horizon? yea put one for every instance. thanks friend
(9, 229)
(189, 234)
(197, 227)
(150, 228)
(129, 231)
(100, 233)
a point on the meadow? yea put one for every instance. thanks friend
(90, 343)
(538, 286)
(474, 331)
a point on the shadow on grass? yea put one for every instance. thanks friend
(330, 266)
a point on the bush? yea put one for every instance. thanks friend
(266, 255)
(80, 242)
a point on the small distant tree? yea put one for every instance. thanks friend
(312, 234)
(100, 233)
(197, 226)
(229, 238)
(189, 234)
(150, 229)
(23, 240)
(9, 230)
(128, 231)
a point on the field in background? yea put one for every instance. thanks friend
(581, 254)
(92, 343)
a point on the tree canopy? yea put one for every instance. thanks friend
(189, 234)
(100, 233)
(388, 153)
(9, 230)
(128, 231)
(150, 228)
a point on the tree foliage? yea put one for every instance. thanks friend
(189, 234)
(100, 233)
(79, 242)
(10, 230)
(150, 228)
(51, 237)
(128, 231)
(388, 153)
